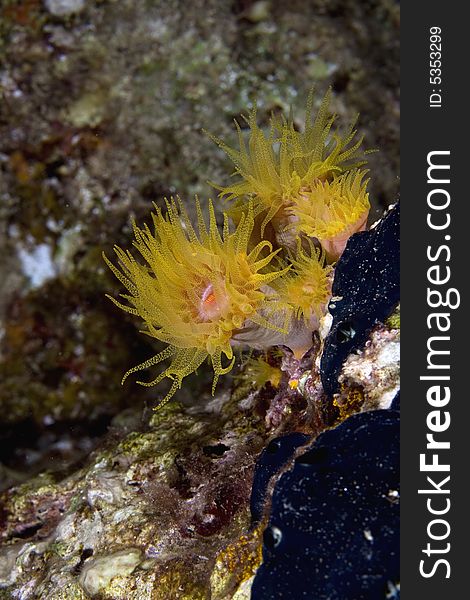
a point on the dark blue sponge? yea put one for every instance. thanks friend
(366, 289)
(333, 533)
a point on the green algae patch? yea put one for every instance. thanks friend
(393, 320)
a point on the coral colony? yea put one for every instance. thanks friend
(265, 279)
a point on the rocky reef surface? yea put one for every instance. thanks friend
(179, 505)
(101, 112)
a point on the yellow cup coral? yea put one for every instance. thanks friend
(204, 292)
(332, 211)
(259, 372)
(274, 168)
(196, 290)
(307, 286)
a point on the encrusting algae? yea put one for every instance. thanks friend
(203, 292)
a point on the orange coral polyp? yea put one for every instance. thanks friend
(212, 306)
(196, 288)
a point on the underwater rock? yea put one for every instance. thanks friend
(365, 290)
(64, 8)
(127, 524)
(99, 572)
(375, 370)
(333, 533)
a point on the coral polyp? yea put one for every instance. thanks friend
(274, 168)
(307, 286)
(259, 372)
(196, 290)
(204, 291)
(332, 211)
